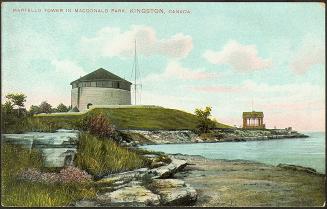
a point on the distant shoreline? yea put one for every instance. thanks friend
(148, 137)
(229, 151)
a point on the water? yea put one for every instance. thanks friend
(308, 152)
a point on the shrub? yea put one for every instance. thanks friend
(98, 125)
(83, 123)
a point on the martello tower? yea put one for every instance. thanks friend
(100, 88)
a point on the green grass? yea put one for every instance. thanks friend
(29, 194)
(14, 159)
(133, 118)
(103, 156)
(96, 156)
(40, 125)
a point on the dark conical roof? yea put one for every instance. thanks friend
(100, 74)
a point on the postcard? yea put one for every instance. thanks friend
(134, 104)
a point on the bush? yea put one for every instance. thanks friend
(98, 125)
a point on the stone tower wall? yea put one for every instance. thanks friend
(100, 96)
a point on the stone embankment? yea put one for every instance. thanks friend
(143, 137)
(144, 187)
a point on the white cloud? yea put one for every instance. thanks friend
(111, 42)
(310, 53)
(264, 91)
(243, 58)
(175, 70)
(67, 67)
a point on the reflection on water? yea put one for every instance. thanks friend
(309, 152)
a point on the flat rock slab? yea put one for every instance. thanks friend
(124, 177)
(231, 183)
(58, 148)
(168, 170)
(138, 195)
(174, 192)
(61, 137)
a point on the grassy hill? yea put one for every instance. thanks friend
(134, 118)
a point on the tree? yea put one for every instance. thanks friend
(17, 99)
(62, 108)
(34, 109)
(204, 122)
(7, 116)
(7, 107)
(45, 107)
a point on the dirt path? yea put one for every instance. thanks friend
(244, 183)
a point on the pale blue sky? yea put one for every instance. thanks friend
(222, 55)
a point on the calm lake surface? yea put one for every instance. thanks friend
(308, 152)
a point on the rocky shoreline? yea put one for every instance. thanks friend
(197, 181)
(185, 180)
(144, 187)
(144, 137)
(240, 183)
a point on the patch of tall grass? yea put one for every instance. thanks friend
(15, 192)
(102, 156)
(27, 194)
(36, 124)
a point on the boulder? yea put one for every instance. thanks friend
(58, 148)
(168, 170)
(150, 156)
(174, 192)
(157, 164)
(86, 203)
(123, 177)
(130, 196)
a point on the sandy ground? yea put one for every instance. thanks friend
(244, 183)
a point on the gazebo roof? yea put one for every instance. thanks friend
(252, 114)
(100, 75)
